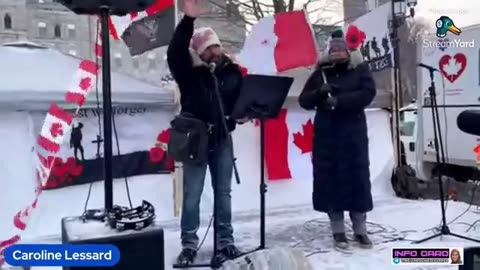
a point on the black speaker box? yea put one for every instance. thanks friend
(116, 7)
(142, 249)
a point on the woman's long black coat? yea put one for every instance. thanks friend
(340, 145)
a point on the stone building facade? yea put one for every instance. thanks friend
(48, 23)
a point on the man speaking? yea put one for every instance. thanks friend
(195, 59)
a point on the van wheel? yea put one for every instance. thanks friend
(405, 183)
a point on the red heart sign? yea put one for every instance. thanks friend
(452, 68)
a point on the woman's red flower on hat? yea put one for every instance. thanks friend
(354, 37)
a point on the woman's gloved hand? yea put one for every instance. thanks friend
(324, 91)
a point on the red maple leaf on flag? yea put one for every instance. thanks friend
(304, 141)
(85, 83)
(56, 130)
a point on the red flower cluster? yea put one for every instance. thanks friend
(158, 152)
(354, 37)
(62, 173)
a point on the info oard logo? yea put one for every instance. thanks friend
(444, 26)
(427, 256)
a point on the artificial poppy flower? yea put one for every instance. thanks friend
(156, 154)
(164, 136)
(77, 170)
(354, 37)
(59, 169)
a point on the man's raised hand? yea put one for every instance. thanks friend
(192, 8)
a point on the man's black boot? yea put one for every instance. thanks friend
(227, 253)
(186, 257)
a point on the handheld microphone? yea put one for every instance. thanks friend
(427, 67)
(212, 66)
(469, 122)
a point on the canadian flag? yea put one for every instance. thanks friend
(279, 43)
(289, 145)
(84, 81)
(57, 122)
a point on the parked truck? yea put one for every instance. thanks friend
(457, 81)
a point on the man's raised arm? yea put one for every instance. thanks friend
(178, 53)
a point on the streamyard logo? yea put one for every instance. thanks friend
(445, 26)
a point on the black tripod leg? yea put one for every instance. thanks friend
(235, 171)
(428, 238)
(465, 237)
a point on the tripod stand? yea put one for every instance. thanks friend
(440, 160)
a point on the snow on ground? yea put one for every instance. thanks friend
(290, 220)
(392, 219)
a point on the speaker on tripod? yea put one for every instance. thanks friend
(141, 249)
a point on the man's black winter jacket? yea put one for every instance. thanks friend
(196, 82)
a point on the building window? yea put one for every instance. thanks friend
(372, 4)
(71, 31)
(42, 29)
(118, 60)
(7, 21)
(72, 52)
(57, 31)
(135, 63)
(151, 61)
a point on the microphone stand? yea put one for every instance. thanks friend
(440, 159)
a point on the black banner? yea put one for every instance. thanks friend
(381, 63)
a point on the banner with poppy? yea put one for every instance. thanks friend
(369, 34)
(142, 147)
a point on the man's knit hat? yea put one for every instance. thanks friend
(338, 42)
(203, 38)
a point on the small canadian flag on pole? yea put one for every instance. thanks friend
(279, 43)
(85, 79)
(57, 122)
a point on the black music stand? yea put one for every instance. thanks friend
(105, 8)
(262, 98)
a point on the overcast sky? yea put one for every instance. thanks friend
(463, 12)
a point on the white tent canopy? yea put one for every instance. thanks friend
(33, 74)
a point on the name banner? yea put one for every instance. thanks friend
(427, 256)
(141, 149)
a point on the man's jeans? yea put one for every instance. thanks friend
(220, 163)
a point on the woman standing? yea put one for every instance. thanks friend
(339, 90)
